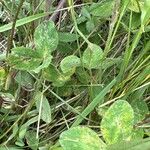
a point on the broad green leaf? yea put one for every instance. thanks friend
(81, 138)
(102, 9)
(46, 37)
(92, 56)
(67, 37)
(145, 16)
(43, 104)
(22, 58)
(31, 139)
(69, 64)
(22, 21)
(117, 123)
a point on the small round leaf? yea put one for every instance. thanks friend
(117, 123)
(92, 56)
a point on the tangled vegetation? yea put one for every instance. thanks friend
(74, 75)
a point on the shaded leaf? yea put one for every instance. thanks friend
(47, 60)
(53, 75)
(102, 9)
(82, 75)
(81, 138)
(117, 123)
(24, 79)
(92, 56)
(24, 127)
(90, 25)
(23, 130)
(140, 110)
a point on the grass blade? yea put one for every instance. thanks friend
(94, 103)
(22, 21)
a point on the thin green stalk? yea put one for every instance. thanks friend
(70, 2)
(112, 34)
(10, 39)
(129, 52)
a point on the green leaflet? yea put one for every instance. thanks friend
(46, 37)
(81, 138)
(22, 58)
(117, 123)
(69, 64)
(43, 104)
(145, 16)
(92, 56)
